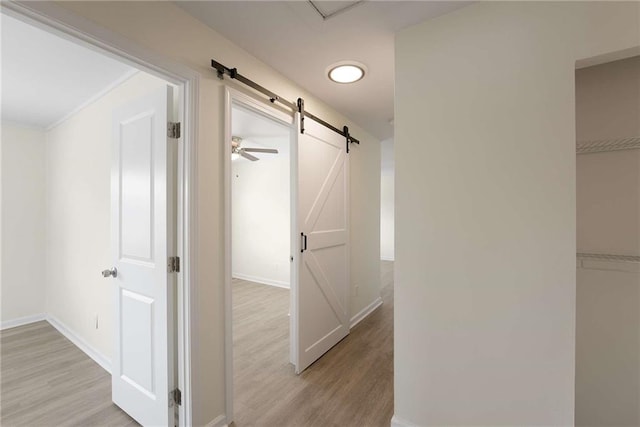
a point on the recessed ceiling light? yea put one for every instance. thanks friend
(346, 72)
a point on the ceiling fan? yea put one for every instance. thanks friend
(237, 151)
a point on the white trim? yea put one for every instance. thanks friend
(261, 280)
(126, 76)
(219, 421)
(365, 312)
(396, 421)
(79, 342)
(294, 275)
(20, 321)
(58, 20)
(385, 258)
(262, 107)
(188, 246)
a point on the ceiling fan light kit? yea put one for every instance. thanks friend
(237, 151)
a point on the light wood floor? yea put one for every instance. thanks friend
(351, 385)
(47, 381)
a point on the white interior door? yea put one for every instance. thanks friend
(141, 238)
(321, 297)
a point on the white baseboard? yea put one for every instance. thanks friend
(365, 312)
(219, 421)
(396, 421)
(261, 280)
(386, 258)
(12, 323)
(98, 357)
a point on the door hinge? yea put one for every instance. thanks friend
(176, 397)
(173, 264)
(173, 130)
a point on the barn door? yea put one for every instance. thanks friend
(321, 297)
(141, 238)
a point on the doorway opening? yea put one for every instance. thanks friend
(260, 268)
(74, 163)
(261, 252)
(608, 243)
(319, 247)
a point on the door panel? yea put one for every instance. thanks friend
(141, 232)
(136, 179)
(322, 291)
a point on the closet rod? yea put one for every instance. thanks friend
(273, 97)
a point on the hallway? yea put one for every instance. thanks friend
(351, 385)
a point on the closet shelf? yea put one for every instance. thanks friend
(609, 257)
(584, 147)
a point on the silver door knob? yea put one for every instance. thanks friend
(110, 273)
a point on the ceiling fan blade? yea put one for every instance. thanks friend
(247, 156)
(261, 150)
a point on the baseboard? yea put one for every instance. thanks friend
(13, 323)
(261, 280)
(396, 421)
(90, 351)
(365, 312)
(386, 258)
(219, 421)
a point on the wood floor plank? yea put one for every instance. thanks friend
(45, 380)
(351, 385)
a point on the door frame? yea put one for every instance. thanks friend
(64, 23)
(234, 95)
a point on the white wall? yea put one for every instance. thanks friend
(193, 44)
(261, 219)
(608, 219)
(78, 158)
(485, 279)
(387, 203)
(23, 223)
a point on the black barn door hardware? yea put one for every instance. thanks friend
(349, 138)
(273, 98)
(303, 242)
(301, 111)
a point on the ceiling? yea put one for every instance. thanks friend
(257, 131)
(45, 77)
(293, 38)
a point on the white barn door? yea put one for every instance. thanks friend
(321, 297)
(141, 237)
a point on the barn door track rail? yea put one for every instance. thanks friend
(273, 98)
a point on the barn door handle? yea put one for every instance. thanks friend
(303, 242)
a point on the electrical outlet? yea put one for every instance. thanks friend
(355, 290)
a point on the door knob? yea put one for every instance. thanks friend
(113, 273)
